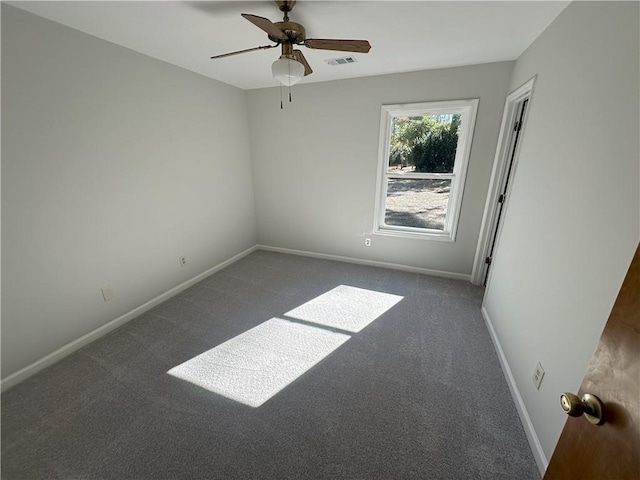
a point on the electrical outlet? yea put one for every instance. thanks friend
(183, 261)
(107, 293)
(367, 242)
(538, 374)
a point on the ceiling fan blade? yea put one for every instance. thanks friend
(358, 46)
(297, 54)
(266, 25)
(244, 51)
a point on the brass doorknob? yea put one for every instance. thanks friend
(589, 405)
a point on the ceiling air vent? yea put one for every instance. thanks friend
(341, 60)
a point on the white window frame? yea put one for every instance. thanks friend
(467, 109)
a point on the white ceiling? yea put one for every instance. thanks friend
(405, 35)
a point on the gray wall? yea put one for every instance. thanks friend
(315, 163)
(572, 221)
(113, 165)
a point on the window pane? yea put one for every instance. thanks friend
(417, 203)
(423, 144)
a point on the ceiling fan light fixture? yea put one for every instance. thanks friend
(287, 71)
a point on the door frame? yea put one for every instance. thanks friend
(499, 176)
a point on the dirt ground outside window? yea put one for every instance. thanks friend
(417, 203)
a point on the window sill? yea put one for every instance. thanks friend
(416, 235)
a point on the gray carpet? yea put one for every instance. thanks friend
(416, 393)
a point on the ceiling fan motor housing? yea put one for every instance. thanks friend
(294, 31)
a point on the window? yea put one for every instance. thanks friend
(424, 151)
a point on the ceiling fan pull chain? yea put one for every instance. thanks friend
(289, 86)
(281, 104)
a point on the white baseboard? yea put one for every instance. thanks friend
(532, 436)
(71, 347)
(371, 263)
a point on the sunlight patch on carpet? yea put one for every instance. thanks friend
(254, 366)
(346, 308)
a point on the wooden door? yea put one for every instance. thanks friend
(611, 450)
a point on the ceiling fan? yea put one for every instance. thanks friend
(292, 66)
